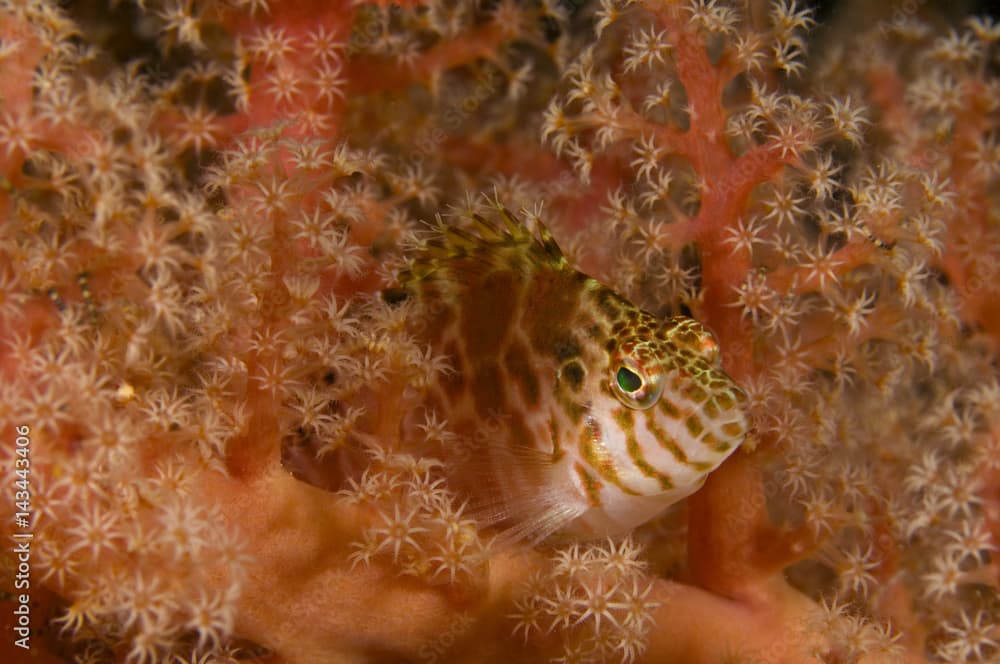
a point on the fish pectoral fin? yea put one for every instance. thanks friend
(517, 494)
(542, 520)
(527, 519)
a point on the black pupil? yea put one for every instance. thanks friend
(628, 380)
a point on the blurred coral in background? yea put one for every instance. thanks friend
(229, 460)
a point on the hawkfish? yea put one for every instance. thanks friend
(599, 415)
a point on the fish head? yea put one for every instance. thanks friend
(660, 412)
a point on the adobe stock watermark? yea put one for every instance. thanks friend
(459, 629)
(22, 536)
(982, 282)
(490, 432)
(454, 115)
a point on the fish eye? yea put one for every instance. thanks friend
(634, 386)
(628, 380)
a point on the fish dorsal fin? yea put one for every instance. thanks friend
(545, 242)
(484, 247)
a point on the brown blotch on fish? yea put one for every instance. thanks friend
(694, 425)
(635, 453)
(695, 393)
(517, 361)
(710, 441)
(591, 485)
(608, 302)
(711, 409)
(669, 444)
(547, 327)
(520, 434)
(725, 400)
(486, 318)
(732, 429)
(567, 349)
(573, 374)
(488, 389)
(669, 409)
(666, 441)
(623, 418)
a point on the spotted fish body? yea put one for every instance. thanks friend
(599, 415)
